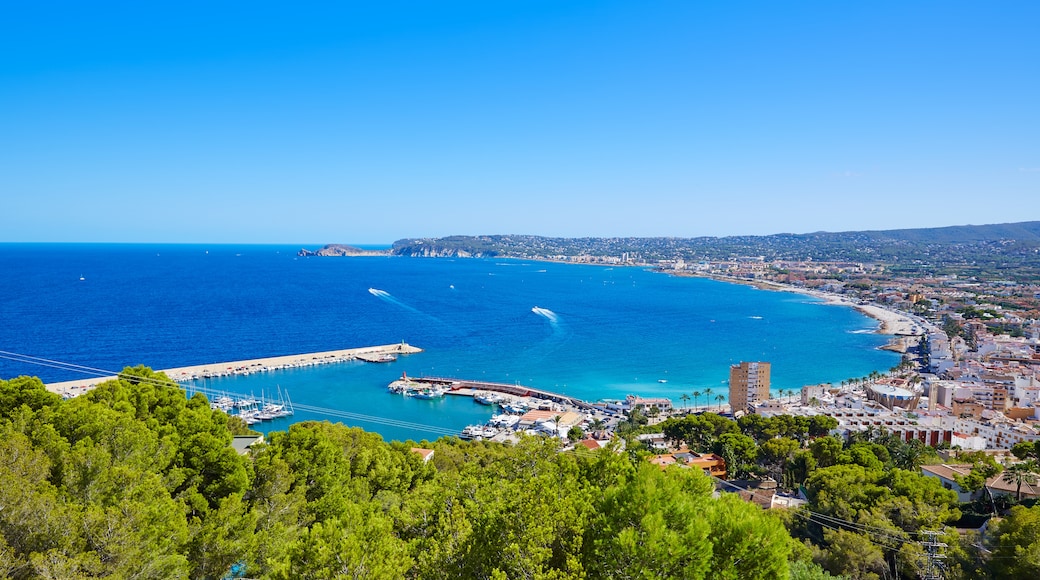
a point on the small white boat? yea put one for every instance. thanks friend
(488, 398)
(515, 408)
(429, 393)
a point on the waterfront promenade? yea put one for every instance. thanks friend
(243, 367)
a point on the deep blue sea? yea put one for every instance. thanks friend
(590, 331)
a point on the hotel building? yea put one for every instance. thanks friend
(748, 385)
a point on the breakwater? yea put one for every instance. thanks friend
(517, 390)
(382, 353)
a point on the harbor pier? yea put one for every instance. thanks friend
(382, 353)
(467, 387)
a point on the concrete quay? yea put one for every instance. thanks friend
(245, 367)
(465, 387)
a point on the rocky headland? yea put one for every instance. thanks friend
(342, 250)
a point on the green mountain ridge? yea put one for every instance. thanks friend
(1000, 246)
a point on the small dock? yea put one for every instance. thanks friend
(382, 353)
(520, 409)
(466, 387)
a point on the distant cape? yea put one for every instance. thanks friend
(1013, 245)
(342, 250)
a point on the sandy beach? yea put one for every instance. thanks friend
(891, 322)
(72, 388)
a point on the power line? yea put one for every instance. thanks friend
(882, 537)
(97, 372)
(935, 557)
(874, 530)
(347, 414)
(810, 515)
(24, 358)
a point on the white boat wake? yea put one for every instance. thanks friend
(388, 297)
(546, 313)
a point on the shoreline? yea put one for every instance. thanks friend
(896, 324)
(245, 367)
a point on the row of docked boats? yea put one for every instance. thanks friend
(489, 398)
(252, 410)
(499, 422)
(494, 426)
(508, 423)
(418, 390)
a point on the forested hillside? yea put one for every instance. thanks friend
(1000, 246)
(134, 481)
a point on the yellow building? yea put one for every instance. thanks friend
(748, 385)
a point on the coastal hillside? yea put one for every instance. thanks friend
(999, 246)
(133, 480)
(1022, 231)
(341, 250)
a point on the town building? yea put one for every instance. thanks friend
(709, 463)
(748, 385)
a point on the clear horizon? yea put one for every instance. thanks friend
(359, 123)
(388, 244)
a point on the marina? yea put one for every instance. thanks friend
(250, 409)
(520, 409)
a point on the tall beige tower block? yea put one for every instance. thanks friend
(748, 384)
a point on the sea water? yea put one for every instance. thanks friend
(594, 332)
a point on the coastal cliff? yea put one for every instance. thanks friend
(449, 247)
(341, 250)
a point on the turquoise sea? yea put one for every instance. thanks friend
(590, 331)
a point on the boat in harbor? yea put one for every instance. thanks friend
(374, 357)
(488, 398)
(430, 393)
(503, 421)
(514, 408)
(479, 432)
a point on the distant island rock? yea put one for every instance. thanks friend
(342, 250)
(450, 247)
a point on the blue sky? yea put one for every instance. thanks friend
(366, 122)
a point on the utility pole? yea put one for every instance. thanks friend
(935, 556)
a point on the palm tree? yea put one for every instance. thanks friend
(909, 456)
(1018, 474)
(696, 396)
(720, 399)
(685, 399)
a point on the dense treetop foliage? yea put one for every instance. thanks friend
(133, 480)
